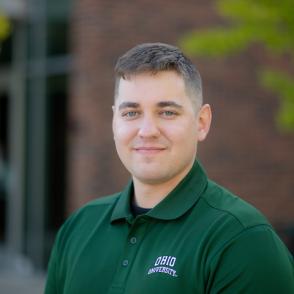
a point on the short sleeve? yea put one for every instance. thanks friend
(254, 261)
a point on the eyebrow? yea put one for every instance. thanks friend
(169, 104)
(162, 104)
(127, 104)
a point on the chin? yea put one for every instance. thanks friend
(151, 177)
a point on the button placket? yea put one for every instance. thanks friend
(125, 263)
(133, 241)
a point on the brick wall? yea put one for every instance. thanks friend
(244, 151)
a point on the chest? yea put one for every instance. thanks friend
(145, 257)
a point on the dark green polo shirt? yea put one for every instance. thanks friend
(199, 239)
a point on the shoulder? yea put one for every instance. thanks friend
(87, 216)
(100, 202)
(94, 206)
(226, 218)
(97, 205)
(244, 246)
(226, 204)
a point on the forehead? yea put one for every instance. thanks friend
(167, 84)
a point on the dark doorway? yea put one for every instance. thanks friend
(4, 107)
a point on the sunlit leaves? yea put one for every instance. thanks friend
(282, 84)
(268, 22)
(4, 27)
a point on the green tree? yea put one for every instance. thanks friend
(268, 22)
(4, 27)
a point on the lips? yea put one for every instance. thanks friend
(148, 149)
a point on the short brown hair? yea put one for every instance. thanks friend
(156, 57)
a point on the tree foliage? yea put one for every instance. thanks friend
(4, 27)
(268, 22)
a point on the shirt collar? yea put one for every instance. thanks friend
(174, 205)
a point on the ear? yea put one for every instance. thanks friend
(113, 122)
(204, 121)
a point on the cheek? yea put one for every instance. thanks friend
(122, 133)
(181, 133)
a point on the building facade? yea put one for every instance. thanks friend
(34, 67)
(56, 87)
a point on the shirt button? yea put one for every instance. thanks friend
(133, 240)
(125, 262)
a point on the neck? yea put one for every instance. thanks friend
(148, 195)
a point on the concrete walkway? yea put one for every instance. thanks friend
(17, 276)
(15, 284)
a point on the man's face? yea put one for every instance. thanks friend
(156, 128)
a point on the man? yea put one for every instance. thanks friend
(171, 230)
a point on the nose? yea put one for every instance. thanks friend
(148, 128)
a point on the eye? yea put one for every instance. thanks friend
(130, 114)
(169, 113)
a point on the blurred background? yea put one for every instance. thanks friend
(56, 92)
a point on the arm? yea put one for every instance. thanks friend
(51, 282)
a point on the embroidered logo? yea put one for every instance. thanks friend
(164, 264)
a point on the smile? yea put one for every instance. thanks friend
(149, 150)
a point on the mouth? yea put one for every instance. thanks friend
(148, 150)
